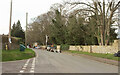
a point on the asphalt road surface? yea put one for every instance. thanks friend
(49, 62)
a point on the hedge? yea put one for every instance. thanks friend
(64, 47)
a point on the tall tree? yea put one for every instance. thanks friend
(104, 16)
(58, 28)
(17, 30)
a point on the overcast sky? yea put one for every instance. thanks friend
(20, 7)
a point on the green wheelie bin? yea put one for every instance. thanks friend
(22, 47)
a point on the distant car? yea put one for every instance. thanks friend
(28, 46)
(58, 51)
(48, 48)
(117, 54)
(53, 49)
(38, 47)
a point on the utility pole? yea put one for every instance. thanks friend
(26, 29)
(9, 40)
(46, 40)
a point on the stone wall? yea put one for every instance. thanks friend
(43, 47)
(58, 47)
(14, 44)
(97, 49)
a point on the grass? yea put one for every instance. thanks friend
(12, 55)
(107, 56)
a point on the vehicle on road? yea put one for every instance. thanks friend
(117, 54)
(48, 48)
(52, 48)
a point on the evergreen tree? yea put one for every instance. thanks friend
(58, 29)
(17, 30)
(13, 30)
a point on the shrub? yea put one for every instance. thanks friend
(64, 47)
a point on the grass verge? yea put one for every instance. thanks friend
(12, 55)
(106, 56)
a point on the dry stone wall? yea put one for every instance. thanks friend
(98, 49)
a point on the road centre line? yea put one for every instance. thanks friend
(25, 66)
(33, 66)
(21, 71)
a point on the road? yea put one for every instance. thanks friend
(49, 62)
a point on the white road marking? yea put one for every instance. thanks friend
(33, 66)
(36, 57)
(32, 71)
(21, 71)
(25, 66)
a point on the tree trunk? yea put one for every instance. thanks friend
(101, 35)
(108, 29)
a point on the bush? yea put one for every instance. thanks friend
(64, 47)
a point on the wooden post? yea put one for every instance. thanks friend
(26, 29)
(9, 38)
